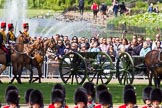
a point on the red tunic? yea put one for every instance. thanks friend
(98, 106)
(123, 106)
(52, 106)
(7, 106)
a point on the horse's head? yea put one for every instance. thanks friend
(22, 38)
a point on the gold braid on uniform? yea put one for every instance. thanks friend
(26, 34)
(4, 36)
(12, 36)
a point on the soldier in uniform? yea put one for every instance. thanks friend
(27, 94)
(10, 34)
(155, 97)
(58, 99)
(25, 32)
(3, 42)
(89, 86)
(12, 98)
(36, 99)
(80, 98)
(105, 100)
(146, 96)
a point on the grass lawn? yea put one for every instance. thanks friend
(115, 89)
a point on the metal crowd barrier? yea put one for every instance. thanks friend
(49, 70)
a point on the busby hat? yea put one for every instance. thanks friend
(100, 88)
(25, 25)
(12, 97)
(3, 24)
(11, 87)
(60, 87)
(129, 96)
(89, 86)
(128, 86)
(27, 94)
(156, 95)
(10, 26)
(146, 93)
(36, 98)
(80, 96)
(57, 96)
(105, 98)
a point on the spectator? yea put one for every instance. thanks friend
(112, 53)
(158, 45)
(75, 39)
(103, 9)
(149, 42)
(124, 46)
(83, 48)
(150, 8)
(81, 6)
(123, 9)
(103, 46)
(146, 97)
(115, 9)
(145, 49)
(94, 8)
(80, 98)
(94, 47)
(36, 99)
(74, 47)
(156, 9)
(59, 50)
(67, 48)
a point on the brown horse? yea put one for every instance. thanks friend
(154, 65)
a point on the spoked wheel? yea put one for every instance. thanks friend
(125, 69)
(73, 68)
(99, 69)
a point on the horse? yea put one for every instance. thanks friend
(154, 66)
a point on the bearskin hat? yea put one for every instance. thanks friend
(80, 96)
(11, 87)
(3, 24)
(10, 26)
(36, 97)
(57, 96)
(100, 88)
(12, 97)
(60, 87)
(25, 25)
(130, 96)
(146, 93)
(27, 94)
(89, 86)
(156, 95)
(105, 98)
(128, 86)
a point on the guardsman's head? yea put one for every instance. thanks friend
(26, 26)
(10, 27)
(3, 25)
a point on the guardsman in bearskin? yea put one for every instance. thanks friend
(99, 89)
(12, 99)
(11, 87)
(27, 94)
(105, 100)
(36, 99)
(3, 42)
(10, 35)
(58, 99)
(156, 97)
(129, 99)
(80, 98)
(89, 86)
(146, 97)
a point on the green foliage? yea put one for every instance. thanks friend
(141, 4)
(147, 22)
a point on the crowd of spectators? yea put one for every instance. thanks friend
(113, 46)
(85, 96)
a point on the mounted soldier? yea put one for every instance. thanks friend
(3, 42)
(25, 32)
(10, 35)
